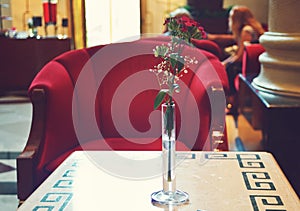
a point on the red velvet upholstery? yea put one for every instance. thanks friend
(209, 46)
(98, 85)
(203, 44)
(250, 62)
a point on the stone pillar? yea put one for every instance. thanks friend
(280, 64)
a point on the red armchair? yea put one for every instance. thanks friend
(101, 98)
(250, 69)
(209, 46)
(250, 62)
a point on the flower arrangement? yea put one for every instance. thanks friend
(174, 65)
(182, 30)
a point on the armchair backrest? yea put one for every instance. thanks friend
(107, 92)
(203, 44)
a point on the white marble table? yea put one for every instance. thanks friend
(227, 181)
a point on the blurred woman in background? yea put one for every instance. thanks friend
(245, 29)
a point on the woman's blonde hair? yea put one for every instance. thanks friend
(241, 16)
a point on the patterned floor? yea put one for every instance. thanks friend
(15, 119)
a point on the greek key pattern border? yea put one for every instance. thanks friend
(268, 202)
(253, 173)
(61, 193)
(258, 180)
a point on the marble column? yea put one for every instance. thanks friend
(280, 64)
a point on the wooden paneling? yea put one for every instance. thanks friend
(22, 59)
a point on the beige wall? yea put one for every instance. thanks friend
(258, 7)
(155, 11)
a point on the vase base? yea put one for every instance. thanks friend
(176, 198)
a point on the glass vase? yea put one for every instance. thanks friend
(169, 195)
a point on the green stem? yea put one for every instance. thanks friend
(169, 118)
(169, 163)
(169, 121)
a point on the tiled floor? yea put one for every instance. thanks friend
(15, 119)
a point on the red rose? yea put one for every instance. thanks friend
(167, 21)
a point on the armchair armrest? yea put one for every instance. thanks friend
(251, 64)
(26, 161)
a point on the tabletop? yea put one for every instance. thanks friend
(215, 181)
